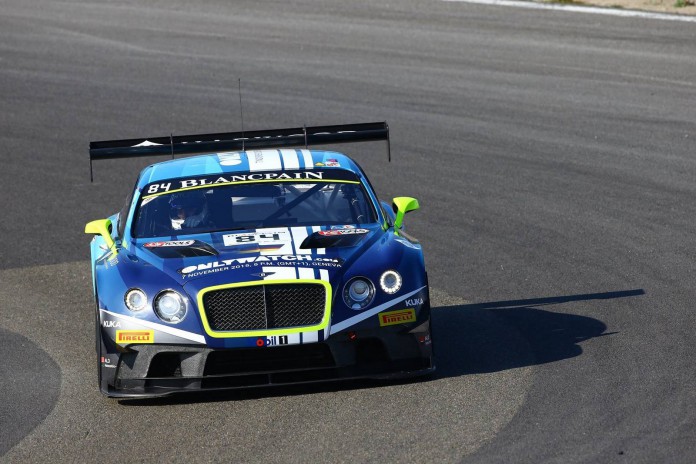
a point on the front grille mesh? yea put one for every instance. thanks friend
(259, 307)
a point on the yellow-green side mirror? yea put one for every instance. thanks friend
(403, 205)
(101, 227)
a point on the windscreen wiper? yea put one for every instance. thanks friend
(292, 204)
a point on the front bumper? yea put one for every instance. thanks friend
(154, 370)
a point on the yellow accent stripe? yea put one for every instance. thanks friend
(221, 184)
(263, 333)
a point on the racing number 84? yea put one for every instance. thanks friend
(252, 238)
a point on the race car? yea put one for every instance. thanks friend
(256, 262)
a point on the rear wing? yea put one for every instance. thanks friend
(235, 141)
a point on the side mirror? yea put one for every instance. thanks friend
(403, 205)
(101, 227)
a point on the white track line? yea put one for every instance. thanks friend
(582, 9)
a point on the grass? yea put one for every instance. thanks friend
(683, 3)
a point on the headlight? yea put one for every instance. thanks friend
(358, 293)
(135, 299)
(170, 306)
(390, 282)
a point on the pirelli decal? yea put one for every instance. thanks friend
(125, 337)
(402, 316)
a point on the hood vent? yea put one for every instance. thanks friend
(180, 249)
(334, 238)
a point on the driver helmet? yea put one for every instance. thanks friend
(188, 209)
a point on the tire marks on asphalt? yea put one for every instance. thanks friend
(441, 419)
(29, 387)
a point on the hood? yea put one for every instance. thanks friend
(285, 253)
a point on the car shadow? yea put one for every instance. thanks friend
(468, 339)
(494, 336)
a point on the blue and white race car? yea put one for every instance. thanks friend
(255, 264)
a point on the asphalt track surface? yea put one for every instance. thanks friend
(554, 155)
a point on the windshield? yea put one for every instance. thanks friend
(252, 205)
